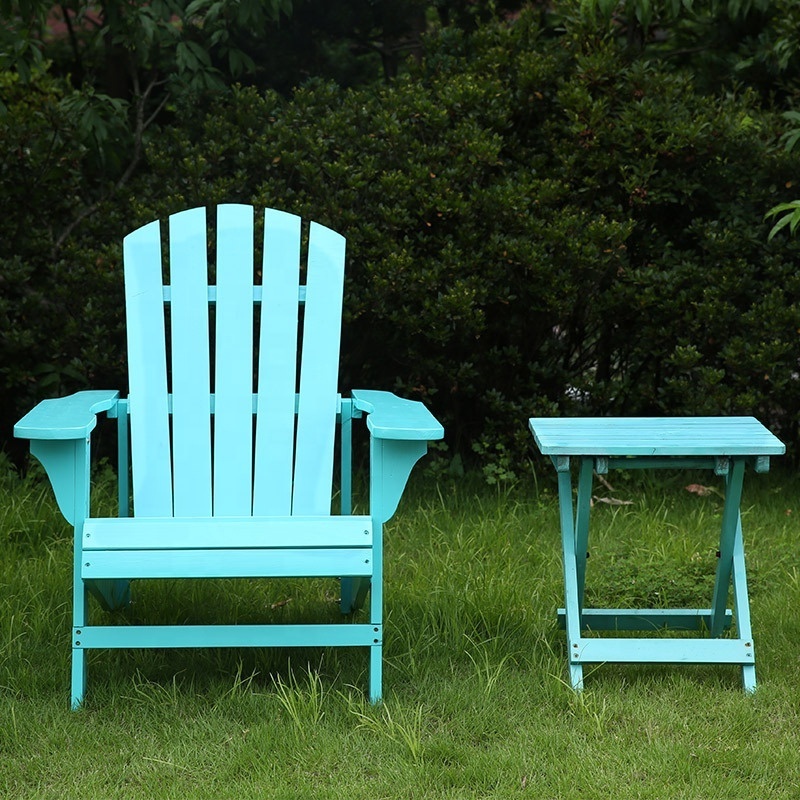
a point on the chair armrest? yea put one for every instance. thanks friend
(391, 417)
(72, 417)
(400, 431)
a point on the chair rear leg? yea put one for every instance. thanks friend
(113, 595)
(376, 673)
(78, 677)
(353, 593)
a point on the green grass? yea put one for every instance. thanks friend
(476, 704)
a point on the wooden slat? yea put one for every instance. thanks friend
(244, 563)
(664, 651)
(277, 369)
(71, 417)
(654, 436)
(392, 417)
(147, 370)
(316, 419)
(233, 379)
(257, 291)
(149, 636)
(649, 619)
(226, 533)
(191, 383)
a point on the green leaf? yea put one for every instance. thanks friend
(239, 62)
(644, 12)
(182, 56)
(200, 54)
(606, 7)
(790, 218)
(196, 7)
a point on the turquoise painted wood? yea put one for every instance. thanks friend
(233, 362)
(318, 398)
(66, 418)
(654, 436)
(151, 450)
(632, 619)
(725, 445)
(392, 417)
(170, 636)
(175, 533)
(230, 425)
(317, 562)
(191, 369)
(277, 372)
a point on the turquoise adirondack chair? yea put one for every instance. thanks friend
(228, 482)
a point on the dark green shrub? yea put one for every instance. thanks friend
(58, 304)
(535, 226)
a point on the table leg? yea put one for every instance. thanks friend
(730, 523)
(741, 608)
(731, 567)
(573, 542)
(584, 504)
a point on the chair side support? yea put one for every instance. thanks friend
(59, 431)
(399, 433)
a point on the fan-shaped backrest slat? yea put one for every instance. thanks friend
(233, 381)
(277, 369)
(319, 373)
(147, 372)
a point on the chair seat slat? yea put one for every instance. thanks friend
(226, 533)
(283, 635)
(238, 563)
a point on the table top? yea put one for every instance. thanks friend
(654, 436)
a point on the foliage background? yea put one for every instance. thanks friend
(546, 212)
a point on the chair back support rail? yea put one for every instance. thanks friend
(346, 413)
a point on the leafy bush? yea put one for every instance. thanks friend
(536, 225)
(57, 304)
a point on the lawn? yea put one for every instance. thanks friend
(476, 704)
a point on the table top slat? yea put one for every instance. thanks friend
(654, 436)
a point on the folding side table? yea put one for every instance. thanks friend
(722, 444)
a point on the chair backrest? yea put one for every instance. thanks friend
(233, 382)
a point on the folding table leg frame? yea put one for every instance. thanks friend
(715, 620)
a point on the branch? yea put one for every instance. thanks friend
(141, 125)
(73, 40)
